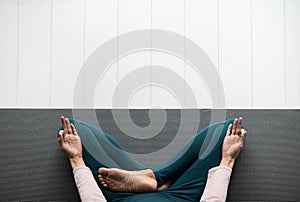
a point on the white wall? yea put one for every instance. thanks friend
(254, 45)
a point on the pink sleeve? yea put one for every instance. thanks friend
(86, 185)
(217, 184)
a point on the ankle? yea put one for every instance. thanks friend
(152, 183)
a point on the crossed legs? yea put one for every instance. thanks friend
(148, 180)
(145, 180)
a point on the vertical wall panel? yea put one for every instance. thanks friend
(202, 28)
(67, 49)
(135, 15)
(268, 53)
(292, 31)
(34, 53)
(235, 52)
(42, 55)
(8, 52)
(168, 15)
(101, 26)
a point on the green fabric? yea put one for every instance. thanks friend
(189, 167)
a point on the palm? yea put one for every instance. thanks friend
(69, 140)
(232, 146)
(234, 140)
(72, 146)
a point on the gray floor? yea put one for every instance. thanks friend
(34, 169)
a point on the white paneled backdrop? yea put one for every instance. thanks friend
(254, 45)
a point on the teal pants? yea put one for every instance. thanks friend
(188, 167)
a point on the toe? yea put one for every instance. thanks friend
(103, 172)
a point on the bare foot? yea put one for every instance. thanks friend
(127, 181)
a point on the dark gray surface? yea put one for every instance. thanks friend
(34, 169)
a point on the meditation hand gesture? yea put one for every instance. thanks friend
(70, 143)
(233, 142)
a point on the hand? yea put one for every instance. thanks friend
(69, 140)
(233, 142)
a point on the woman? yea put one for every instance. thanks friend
(182, 178)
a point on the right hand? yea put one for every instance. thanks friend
(234, 140)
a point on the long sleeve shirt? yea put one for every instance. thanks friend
(215, 189)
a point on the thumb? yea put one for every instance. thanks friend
(60, 138)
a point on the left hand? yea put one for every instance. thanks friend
(69, 140)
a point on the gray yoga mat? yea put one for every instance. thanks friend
(33, 168)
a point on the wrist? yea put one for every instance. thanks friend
(76, 162)
(229, 162)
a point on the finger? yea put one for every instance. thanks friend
(64, 124)
(62, 118)
(244, 133)
(239, 126)
(61, 132)
(68, 126)
(229, 130)
(60, 138)
(234, 126)
(74, 129)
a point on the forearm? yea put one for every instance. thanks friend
(85, 182)
(86, 185)
(217, 183)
